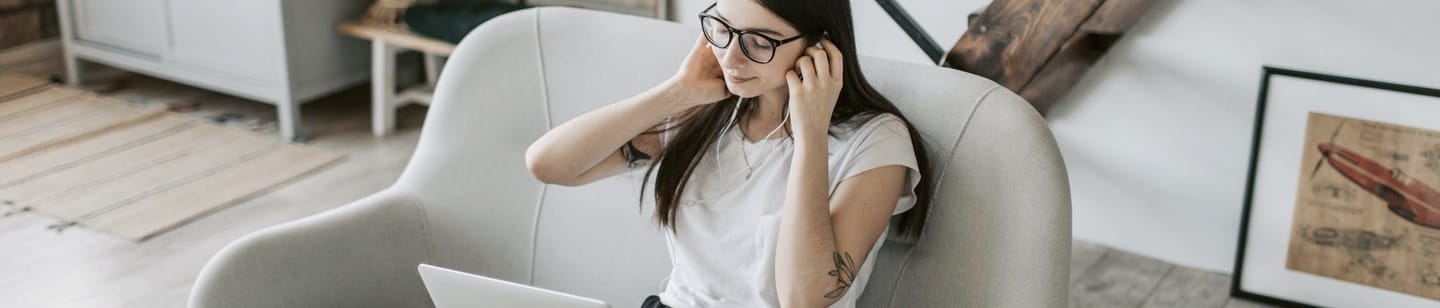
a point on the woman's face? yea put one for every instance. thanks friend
(743, 76)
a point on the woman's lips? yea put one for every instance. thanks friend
(739, 80)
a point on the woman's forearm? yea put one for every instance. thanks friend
(575, 146)
(806, 243)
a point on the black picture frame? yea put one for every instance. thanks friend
(1236, 289)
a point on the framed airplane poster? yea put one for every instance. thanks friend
(1342, 207)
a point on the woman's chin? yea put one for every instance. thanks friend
(744, 90)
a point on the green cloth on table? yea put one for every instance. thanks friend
(450, 20)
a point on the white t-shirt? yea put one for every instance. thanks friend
(724, 252)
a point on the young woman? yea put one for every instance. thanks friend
(777, 166)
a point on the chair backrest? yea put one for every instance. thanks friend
(998, 232)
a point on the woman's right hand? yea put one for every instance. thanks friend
(700, 80)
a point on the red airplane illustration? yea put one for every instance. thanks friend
(1407, 197)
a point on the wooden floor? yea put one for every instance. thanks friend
(1104, 277)
(83, 268)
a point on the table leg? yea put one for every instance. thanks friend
(382, 83)
(432, 68)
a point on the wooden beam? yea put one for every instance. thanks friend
(1041, 48)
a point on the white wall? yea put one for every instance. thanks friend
(1157, 136)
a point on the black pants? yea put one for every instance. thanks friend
(653, 302)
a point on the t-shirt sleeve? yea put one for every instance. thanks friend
(885, 141)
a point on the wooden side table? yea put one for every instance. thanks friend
(386, 43)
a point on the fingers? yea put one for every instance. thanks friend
(700, 55)
(837, 60)
(821, 62)
(792, 82)
(700, 46)
(806, 66)
(695, 48)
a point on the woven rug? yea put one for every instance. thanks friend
(130, 171)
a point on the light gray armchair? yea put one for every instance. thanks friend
(998, 234)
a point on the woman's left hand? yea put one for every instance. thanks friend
(814, 89)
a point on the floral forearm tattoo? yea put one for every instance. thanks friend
(844, 274)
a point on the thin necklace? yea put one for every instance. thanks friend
(749, 170)
(745, 153)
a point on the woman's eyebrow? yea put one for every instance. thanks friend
(761, 30)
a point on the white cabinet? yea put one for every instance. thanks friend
(133, 25)
(282, 52)
(204, 35)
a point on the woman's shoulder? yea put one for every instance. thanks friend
(873, 130)
(862, 125)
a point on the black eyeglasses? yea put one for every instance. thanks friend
(756, 46)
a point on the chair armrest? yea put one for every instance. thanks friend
(1001, 236)
(361, 254)
(1017, 232)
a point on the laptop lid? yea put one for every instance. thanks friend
(455, 289)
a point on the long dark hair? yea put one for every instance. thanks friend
(858, 103)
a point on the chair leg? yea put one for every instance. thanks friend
(382, 92)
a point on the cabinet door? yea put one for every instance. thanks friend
(238, 38)
(134, 25)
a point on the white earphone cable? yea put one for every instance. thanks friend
(748, 168)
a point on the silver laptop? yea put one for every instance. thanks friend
(454, 289)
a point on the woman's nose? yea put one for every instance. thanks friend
(733, 57)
